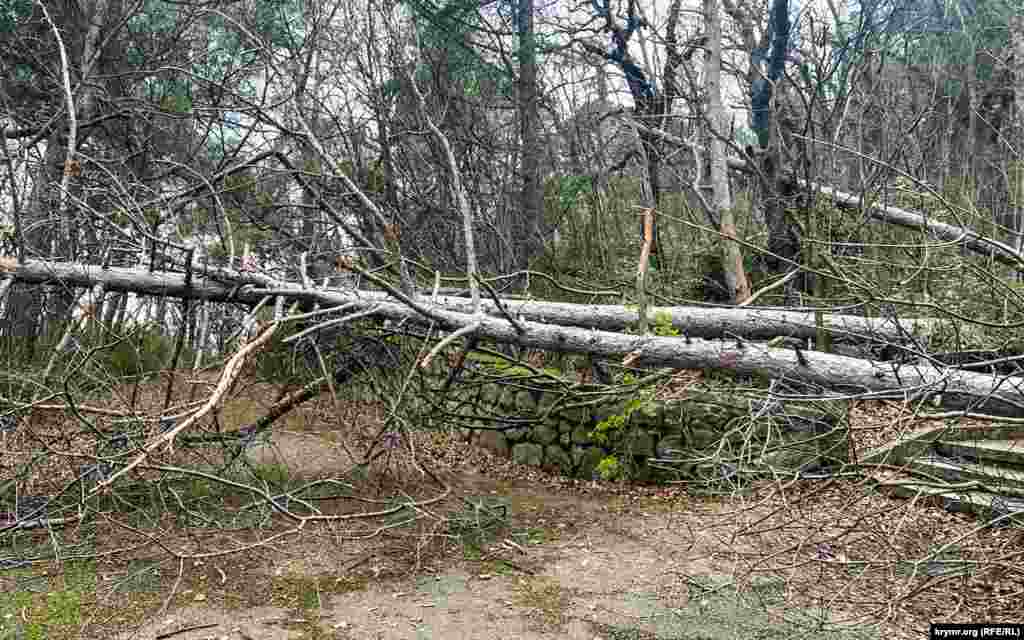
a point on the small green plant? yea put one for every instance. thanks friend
(35, 615)
(615, 424)
(479, 522)
(145, 351)
(275, 474)
(610, 468)
(663, 325)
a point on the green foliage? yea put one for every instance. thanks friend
(152, 217)
(663, 325)
(12, 12)
(173, 95)
(33, 614)
(312, 166)
(479, 522)
(241, 182)
(176, 103)
(348, 168)
(120, 217)
(563, 192)
(279, 22)
(609, 468)
(1015, 174)
(217, 252)
(277, 476)
(375, 179)
(155, 16)
(615, 424)
(278, 363)
(448, 26)
(147, 350)
(186, 228)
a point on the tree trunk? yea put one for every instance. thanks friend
(967, 172)
(696, 321)
(1017, 165)
(995, 394)
(967, 237)
(721, 199)
(528, 238)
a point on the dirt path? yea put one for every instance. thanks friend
(565, 560)
(578, 567)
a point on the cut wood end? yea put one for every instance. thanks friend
(8, 263)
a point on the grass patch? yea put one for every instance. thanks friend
(544, 596)
(141, 576)
(537, 535)
(47, 608)
(716, 610)
(481, 520)
(306, 596)
(276, 475)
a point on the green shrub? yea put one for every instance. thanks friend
(148, 350)
(610, 468)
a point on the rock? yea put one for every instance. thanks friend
(641, 443)
(555, 456)
(516, 434)
(826, 435)
(674, 413)
(576, 415)
(670, 447)
(640, 472)
(507, 399)
(546, 401)
(589, 458)
(545, 433)
(701, 438)
(527, 453)
(525, 402)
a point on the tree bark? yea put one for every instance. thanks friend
(218, 285)
(528, 239)
(721, 197)
(965, 236)
(951, 387)
(1017, 167)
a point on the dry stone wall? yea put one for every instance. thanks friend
(545, 421)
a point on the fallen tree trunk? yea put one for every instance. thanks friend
(951, 387)
(693, 321)
(711, 322)
(962, 236)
